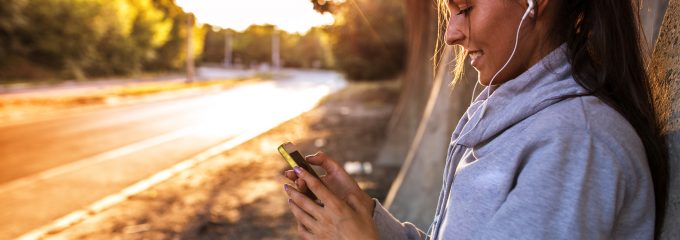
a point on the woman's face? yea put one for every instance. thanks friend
(487, 30)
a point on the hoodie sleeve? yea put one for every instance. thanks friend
(577, 187)
(391, 228)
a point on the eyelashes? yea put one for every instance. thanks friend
(465, 11)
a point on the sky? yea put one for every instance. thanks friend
(289, 15)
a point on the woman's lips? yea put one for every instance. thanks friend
(474, 56)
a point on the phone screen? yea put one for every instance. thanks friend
(295, 158)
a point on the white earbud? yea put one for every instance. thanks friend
(531, 7)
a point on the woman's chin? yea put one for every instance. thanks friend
(483, 81)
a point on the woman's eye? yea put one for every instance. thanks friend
(464, 11)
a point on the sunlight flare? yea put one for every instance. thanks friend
(289, 15)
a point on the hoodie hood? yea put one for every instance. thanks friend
(544, 84)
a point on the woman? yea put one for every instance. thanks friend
(561, 144)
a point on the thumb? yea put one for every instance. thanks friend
(321, 159)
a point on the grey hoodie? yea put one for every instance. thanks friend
(537, 166)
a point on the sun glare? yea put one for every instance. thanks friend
(289, 15)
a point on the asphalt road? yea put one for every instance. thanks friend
(53, 167)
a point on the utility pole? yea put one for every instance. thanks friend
(276, 49)
(190, 48)
(227, 49)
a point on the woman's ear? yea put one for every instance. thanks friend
(539, 8)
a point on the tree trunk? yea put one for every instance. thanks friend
(413, 195)
(421, 126)
(665, 69)
(416, 82)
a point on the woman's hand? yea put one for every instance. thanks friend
(337, 180)
(336, 219)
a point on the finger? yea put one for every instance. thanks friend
(321, 159)
(290, 174)
(315, 185)
(301, 185)
(302, 217)
(303, 202)
(304, 232)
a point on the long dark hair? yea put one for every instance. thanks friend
(607, 52)
(608, 55)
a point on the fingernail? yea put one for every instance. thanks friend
(285, 187)
(297, 169)
(290, 201)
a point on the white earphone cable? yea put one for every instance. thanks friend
(514, 49)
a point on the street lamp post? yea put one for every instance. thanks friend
(276, 49)
(227, 49)
(190, 48)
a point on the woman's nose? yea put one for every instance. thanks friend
(454, 35)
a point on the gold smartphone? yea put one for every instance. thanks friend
(295, 158)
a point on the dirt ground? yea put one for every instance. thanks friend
(239, 194)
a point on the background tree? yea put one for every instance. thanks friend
(312, 50)
(214, 44)
(253, 46)
(290, 50)
(368, 38)
(81, 38)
